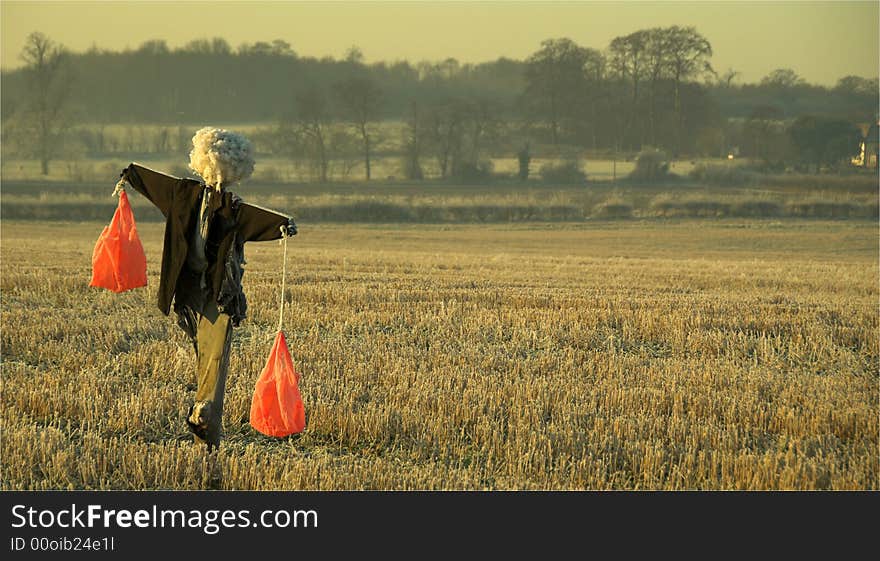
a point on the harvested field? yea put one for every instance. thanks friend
(691, 354)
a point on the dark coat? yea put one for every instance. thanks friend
(233, 223)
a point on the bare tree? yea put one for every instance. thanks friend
(345, 150)
(554, 80)
(361, 99)
(483, 122)
(628, 59)
(414, 136)
(728, 77)
(445, 132)
(354, 55)
(46, 112)
(313, 120)
(657, 50)
(689, 54)
(856, 85)
(595, 68)
(782, 78)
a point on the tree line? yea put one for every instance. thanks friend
(650, 88)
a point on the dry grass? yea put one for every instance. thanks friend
(443, 203)
(691, 355)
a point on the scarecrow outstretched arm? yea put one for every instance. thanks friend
(258, 224)
(157, 187)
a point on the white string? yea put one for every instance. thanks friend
(283, 277)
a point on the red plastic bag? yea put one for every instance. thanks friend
(118, 261)
(277, 408)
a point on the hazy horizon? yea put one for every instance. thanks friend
(821, 41)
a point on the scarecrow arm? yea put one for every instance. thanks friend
(157, 187)
(258, 224)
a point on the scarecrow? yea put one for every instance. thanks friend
(206, 227)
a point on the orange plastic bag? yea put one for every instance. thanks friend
(118, 261)
(277, 408)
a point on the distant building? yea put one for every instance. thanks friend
(869, 147)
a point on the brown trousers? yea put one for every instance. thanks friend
(213, 341)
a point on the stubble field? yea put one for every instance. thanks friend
(729, 354)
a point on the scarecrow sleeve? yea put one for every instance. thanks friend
(258, 224)
(157, 187)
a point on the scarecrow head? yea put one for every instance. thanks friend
(221, 157)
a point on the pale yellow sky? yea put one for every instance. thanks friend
(822, 41)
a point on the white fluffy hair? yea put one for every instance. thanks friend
(220, 156)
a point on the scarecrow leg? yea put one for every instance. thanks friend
(214, 337)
